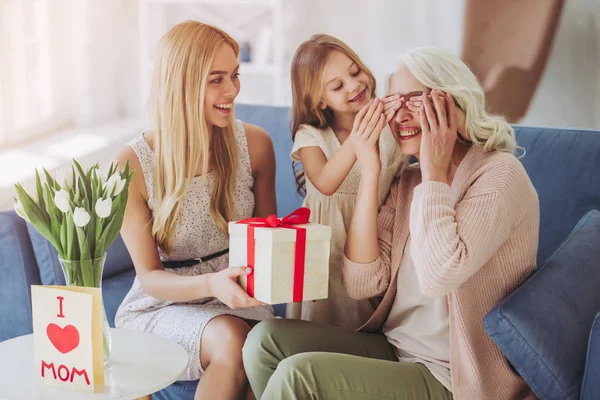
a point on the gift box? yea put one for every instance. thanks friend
(289, 257)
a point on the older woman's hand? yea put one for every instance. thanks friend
(438, 127)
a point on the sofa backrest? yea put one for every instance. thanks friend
(276, 121)
(18, 271)
(563, 164)
(117, 259)
(564, 167)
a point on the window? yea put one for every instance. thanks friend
(27, 85)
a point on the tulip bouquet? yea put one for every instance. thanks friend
(80, 215)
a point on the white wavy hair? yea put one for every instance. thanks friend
(442, 70)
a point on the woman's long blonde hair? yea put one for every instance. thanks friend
(308, 69)
(442, 70)
(183, 139)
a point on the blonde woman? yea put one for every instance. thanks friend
(458, 232)
(332, 91)
(196, 169)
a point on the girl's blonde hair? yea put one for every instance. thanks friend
(183, 138)
(442, 70)
(308, 69)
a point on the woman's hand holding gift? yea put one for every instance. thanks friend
(224, 286)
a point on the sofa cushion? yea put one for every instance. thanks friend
(590, 388)
(117, 259)
(543, 327)
(563, 166)
(114, 290)
(18, 271)
(180, 390)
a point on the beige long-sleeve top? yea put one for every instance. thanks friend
(417, 325)
(474, 242)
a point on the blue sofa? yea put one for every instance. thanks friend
(564, 166)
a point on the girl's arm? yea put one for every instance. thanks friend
(158, 283)
(328, 175)
(262, 159)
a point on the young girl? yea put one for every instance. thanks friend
(333, 99)
(195, 170)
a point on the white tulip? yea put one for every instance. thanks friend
(61, 199)
(81, 217)
(20, 210)
(115, 182)
(103, 207)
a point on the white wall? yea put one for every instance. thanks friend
(569, 92)
(379, 30)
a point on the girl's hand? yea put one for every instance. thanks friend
(391, 104)
(368, 124)
(438, 126)
(224, 286)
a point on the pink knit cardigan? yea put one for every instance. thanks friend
(474, 242)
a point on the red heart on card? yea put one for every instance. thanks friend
(64, 339)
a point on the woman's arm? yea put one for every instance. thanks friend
(368, 243)
(451, 243)
(262, 159)
(370, 276)
(362, 243)
(137, 235)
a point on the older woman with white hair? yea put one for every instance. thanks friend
(458, 233)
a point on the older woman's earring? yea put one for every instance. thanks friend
(462, 139)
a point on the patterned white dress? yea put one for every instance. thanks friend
(196, 236)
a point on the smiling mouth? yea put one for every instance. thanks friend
(224, 108)
(409, 134)
(359, 96)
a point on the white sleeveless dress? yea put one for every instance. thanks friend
(196, 236)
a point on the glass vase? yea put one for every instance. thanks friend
(88, 273)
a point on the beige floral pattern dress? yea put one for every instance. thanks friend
(196, 236)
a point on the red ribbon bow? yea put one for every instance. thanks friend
(297, 217)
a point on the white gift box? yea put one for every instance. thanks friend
(274, 261)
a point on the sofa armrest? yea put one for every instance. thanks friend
(590, 387)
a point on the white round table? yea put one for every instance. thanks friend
(140, 364)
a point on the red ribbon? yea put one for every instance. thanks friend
(298, 217)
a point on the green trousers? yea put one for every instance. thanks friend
(293, 359)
